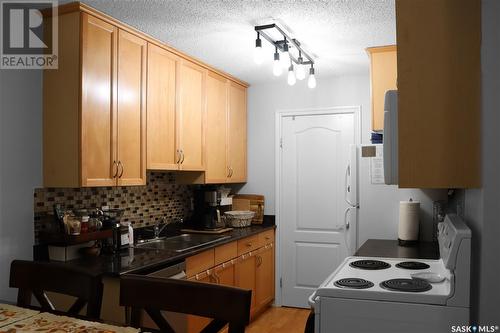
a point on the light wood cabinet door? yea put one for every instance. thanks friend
(237, 134)
(191, 116)
(383, 77)
(225, 276)
(98, 106)
(216, 138)
(131, 142)
(244, 277)
(161, 153)
(264, 277)
(439, 93)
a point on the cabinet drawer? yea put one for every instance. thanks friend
(226, 252)
(199, 262)
(248, 244)
(266, 237)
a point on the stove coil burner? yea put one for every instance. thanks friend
(354, 283)
(369, 264)
(408, 285)
(412, 265)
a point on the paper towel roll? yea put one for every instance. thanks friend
(409, 212)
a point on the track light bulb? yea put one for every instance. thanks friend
(311, 82)
(258, 55)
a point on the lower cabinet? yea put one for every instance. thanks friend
(264, 277)
(247, 263)
(245, 277)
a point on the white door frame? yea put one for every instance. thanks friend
(280, 114)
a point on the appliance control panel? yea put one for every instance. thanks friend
(451, 232)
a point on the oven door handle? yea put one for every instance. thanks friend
(312, 301)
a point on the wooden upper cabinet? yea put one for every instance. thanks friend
(96, 137)
(439, 93)
(190, 116)
(161, 145)
(216, 139)
(131, 118)
(383, 77)
(98, 108)
(237, 133)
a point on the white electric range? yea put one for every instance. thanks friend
(367, 294)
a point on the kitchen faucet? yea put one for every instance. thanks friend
(158, 228)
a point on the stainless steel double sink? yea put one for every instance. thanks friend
(180, 243)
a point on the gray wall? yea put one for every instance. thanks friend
(20, 166)
(481, 208)
(378, 216)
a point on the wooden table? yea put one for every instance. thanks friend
(14, 319)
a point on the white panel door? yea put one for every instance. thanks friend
(315, 154)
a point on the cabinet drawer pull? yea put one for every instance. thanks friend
(249, 244)
(116, 172)
(178, 159)
(120, 164)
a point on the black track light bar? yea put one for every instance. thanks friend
(286, 40)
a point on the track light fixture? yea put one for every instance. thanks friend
(295, 61)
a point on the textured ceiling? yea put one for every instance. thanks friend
(221, 32)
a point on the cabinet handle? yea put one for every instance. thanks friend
(230, 172)
(178, 161)
(116, 173)
(259, 261)
(182, 155)
(121, 173)
(249, 244)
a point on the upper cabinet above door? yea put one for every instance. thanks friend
(383, 77)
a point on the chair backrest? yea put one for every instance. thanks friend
(225, 305)
(36, 278)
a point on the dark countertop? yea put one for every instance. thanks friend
(391, 249)
(142, 260)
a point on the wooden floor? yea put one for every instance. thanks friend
(280, 320)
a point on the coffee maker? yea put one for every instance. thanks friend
(207, 209)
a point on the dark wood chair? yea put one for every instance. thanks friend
(34, 278)
(225, 305)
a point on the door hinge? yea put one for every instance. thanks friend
(281, 282)
(281, 142)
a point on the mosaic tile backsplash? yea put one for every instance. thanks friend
(143, 204)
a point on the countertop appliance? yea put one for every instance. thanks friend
(367, 294)
(391, 175)
(208, 210)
